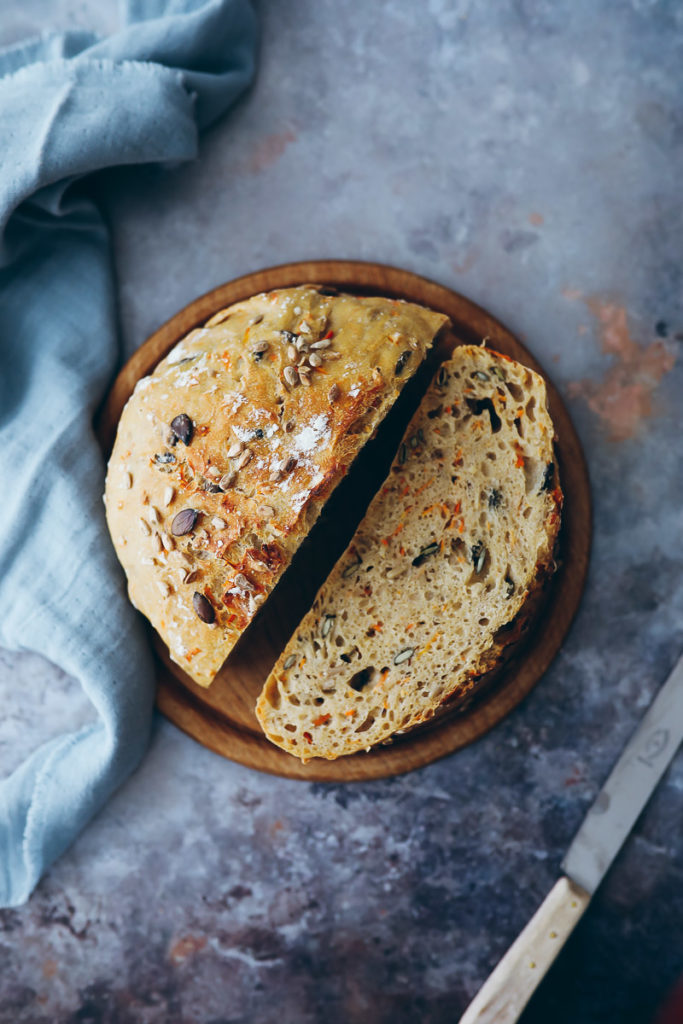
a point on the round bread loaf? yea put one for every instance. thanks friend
(226, 453)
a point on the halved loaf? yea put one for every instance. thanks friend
(226, 454)
(450, 554)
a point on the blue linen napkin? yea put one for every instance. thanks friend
(71, 104)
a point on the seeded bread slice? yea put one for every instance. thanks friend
(227, 452)
(450, 556)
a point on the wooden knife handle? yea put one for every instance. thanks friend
(509, 988)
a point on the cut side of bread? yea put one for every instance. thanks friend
(447, 562)
(227, 452)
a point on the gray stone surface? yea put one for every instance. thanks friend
(528, 154)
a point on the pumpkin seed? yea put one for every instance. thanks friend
(289, 661)
(509, 587)
(404, 655)
(203, 608)
(184, 522)
(497, 372)
(441, 377)
(480, 375)
(429, 549)
(183, 428)
(328, 622)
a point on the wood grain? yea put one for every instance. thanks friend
(222, 717)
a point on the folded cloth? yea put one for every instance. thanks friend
(69, 105)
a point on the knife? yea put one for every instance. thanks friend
(605, 828)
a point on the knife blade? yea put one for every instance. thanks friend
(629, 786)
(603, 832)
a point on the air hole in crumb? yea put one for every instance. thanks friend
(367, 724)
(319, 700)
(293, 699)
(514, 390)
(290, 728)
(530, 406)
(483, 622)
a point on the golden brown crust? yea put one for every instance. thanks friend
(247, 426)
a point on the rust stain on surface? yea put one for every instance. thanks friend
(622, 399)
(269, 150)
(186, 946)
(536, 219)
(49, 968)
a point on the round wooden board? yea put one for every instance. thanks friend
(222, 717)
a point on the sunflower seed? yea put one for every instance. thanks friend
(288, 464)
(401, 362)
(292, 353)
(183, 428)
(289, 661)
(331, 355)
(509, 587)
(548, 476)
(305, 375)
(300, 343)
(148, 561)
(163, 588)
(315, 360)
(242, 582)
(351, 568)
(305, 327)
(404, 655)
(259, 348)
(235, 449)
(168, 496)
(478, 556)
(184, 522)
(156, 542)
(402, 454)
(288, 337)
(323, 343)
(328, 622)
(153, 515)
(213, 471)
(168, 542)
(334, 393)
(127, 481)
(291, 376)
(256, 320)
(190, 575)
(145, 527)
(266, 511)
(227, 480)
(219, 523)
(162, 458)
(429, 549)
(203, 607)
(244, 458)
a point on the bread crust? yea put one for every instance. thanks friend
(443, 575)
(226, 453)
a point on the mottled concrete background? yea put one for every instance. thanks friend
(527, 153)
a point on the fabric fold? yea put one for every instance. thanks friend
(71, 105)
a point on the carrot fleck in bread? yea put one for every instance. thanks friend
(452, 551)
(227, 452)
